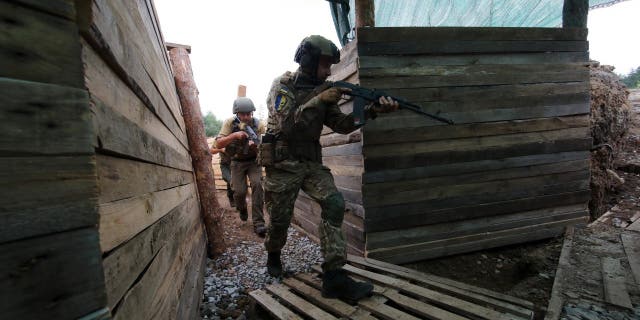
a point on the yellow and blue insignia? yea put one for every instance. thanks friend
(281, 100)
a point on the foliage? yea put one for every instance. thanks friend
(632, 80)
(211, 124)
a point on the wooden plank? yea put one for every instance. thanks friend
(377, 306)
(43, 118)
(138, 302)
(556, 302)
(477, 94)
(273, 306)
(42, 195)
(415, 47)
(143, 69)
(522, 185)
(445, 284)
(355, 160)
(462, 168)
(474, 143)
(333, 305)
(167, 297)
(343, 150)
(423, 309)
(368, 62)
(446, 247)
(406, 216)
(339, 170)
(433, 297)
(191, 298)
(61, 8)
(496, 151)
(123, 178)
(105, 85)
(635, 226)
(431, 232)
(55, 276)
(615, 290)
(39, 47)
(335, 139)
(376, 189)
(417, 134)
(631, 243)
(474, 75)
(117, 134)
(125, 264)
(298, 303)
(122, 220)
(394, 34)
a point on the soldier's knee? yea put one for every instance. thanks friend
(333, 209)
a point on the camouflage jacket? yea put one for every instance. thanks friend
(297, 116)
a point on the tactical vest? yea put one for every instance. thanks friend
(293, 145)
(239, 149)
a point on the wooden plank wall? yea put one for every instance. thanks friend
(151, 236)
(514, 168)
(50, 265)
(343, 155)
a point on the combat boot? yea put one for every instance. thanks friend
(274, 265)
(336, 284)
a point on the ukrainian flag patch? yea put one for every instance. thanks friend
(281, 102)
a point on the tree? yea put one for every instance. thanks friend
(211, 124)
(632, 80)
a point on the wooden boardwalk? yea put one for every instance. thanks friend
(399, 293)
(599, 269)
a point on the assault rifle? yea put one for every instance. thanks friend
(363, 95)
(252, 136)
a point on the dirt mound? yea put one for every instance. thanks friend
(610, 120)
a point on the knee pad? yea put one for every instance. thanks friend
(333, 209)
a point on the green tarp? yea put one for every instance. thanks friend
(455, 13)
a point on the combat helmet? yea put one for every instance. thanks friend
(311, 48)
(243, 104)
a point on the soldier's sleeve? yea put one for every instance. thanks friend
(280, 102)
(338, 121)
(227, 128)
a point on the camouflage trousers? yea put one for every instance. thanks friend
(240, 170)
(225, 169)
(281, 185)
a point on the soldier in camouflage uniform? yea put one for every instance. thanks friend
(234, 137)
(299, 105)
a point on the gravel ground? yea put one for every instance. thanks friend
(242, 269)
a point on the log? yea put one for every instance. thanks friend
(198, 148)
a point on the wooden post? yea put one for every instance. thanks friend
(201, 157)
(574, 13)
(242, 91)
(365, 14)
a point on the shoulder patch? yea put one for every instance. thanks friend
(281, 100)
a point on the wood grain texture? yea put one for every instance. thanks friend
(122, 220)
(42, 195)
(41, 118)
(39, 47)
(54, 276)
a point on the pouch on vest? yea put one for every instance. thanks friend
(266, 150)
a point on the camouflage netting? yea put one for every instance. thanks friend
(610, 118)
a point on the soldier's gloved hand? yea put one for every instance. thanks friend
(385, 105)
(332, 95)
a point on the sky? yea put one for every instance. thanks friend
(251, 42)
